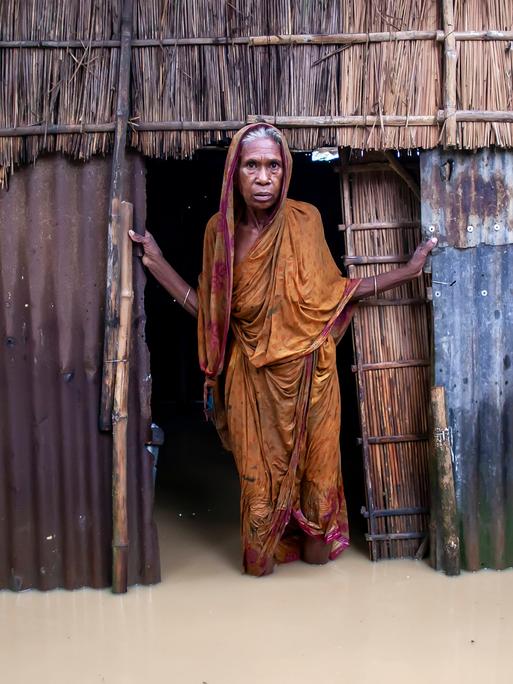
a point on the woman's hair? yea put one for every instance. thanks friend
(262, 132)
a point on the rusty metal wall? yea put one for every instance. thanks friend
(55, 465)
(473, 338)
(468, 196)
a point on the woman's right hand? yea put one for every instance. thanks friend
(152, 252)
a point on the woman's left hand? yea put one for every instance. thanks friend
(417, 261)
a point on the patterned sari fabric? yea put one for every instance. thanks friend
(271, 384)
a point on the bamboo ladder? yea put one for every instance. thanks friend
(394, 426)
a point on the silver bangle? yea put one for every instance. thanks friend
(186, 296)
(375, 287)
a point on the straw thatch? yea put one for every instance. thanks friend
(229, 82)
(485, 71)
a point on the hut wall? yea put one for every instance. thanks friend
(55, 465)
(224, 70)
(468, 201)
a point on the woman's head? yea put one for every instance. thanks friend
(261, 168)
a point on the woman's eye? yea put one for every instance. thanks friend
(251, 165)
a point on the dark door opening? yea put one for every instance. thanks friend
(196, 478)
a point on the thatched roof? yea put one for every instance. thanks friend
(229, 82)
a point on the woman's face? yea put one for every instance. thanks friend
(260, 173)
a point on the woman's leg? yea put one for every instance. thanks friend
(315, 551)
(322, 510)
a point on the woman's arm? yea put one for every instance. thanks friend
(166, 275)
(399, 276)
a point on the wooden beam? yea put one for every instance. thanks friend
(446, 520)
(113, 238)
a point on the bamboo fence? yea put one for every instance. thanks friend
(383, 75)
(393, 359)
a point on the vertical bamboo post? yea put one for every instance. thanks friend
(450, 58)
(347, 217)
(112, 302)
(120, 411)
(447, 522)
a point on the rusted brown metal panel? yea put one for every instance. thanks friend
(473, 333)
(468, 197)
(55, 465)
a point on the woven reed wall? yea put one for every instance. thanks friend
(394, 400)
(231, 82)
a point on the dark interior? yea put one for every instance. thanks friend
(193, 470)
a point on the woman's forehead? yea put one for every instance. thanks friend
(261, 147)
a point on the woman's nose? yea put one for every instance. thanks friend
(263, 175)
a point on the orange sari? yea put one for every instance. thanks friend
(276, 394)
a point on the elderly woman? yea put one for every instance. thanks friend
(271, 306)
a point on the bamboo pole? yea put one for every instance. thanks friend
(281, 121)
(56, 129)
(257, 41)
(117, 189)
(480, 116)
(335, 121)
(445, 508)
(449, 86)
(187, 125)
(385, 259)
(381, 225)
(120, 410)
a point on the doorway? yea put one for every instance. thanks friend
(196, 479)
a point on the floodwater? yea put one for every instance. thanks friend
(351, 621)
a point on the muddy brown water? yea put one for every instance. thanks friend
(351, 621)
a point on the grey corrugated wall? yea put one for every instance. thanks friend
(467, 201)
(55, 465)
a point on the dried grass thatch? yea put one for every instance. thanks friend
(49, 86)
(485, 71)
(212, 83)
(232, 81)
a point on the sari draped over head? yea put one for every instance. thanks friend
(267, 331)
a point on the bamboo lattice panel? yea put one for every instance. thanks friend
(391, 339)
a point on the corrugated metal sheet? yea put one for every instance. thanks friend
(473, 333)
(55, 465)
(469, 196)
